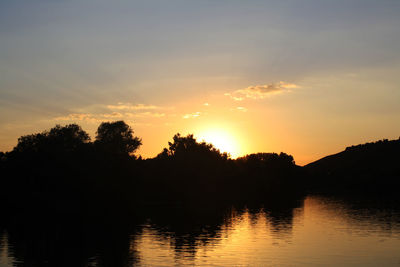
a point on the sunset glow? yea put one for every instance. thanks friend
(200, 133)
(193, 67)
(222, 140)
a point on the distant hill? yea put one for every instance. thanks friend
(367, 167)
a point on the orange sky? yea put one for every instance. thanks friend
(307, 80)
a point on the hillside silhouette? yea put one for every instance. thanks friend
(370, 168)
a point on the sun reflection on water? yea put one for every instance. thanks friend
(318, 233)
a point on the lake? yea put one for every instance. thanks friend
(314, 231)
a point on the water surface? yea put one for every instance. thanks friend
(316, 231)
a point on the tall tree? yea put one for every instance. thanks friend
(117, 138)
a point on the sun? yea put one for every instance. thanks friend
(221, 139)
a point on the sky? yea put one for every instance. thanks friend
(304, 77)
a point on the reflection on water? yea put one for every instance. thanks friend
(316, 231)
(242, 239)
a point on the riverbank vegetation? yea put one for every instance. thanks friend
(62, 169)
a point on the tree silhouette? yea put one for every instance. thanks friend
(59, 139)
(268, 160)
(117, 138)
(188, 148)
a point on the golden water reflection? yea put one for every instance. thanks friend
(315, 231)
(321, 232)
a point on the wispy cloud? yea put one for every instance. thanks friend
(128, 106)
(145, 114)
(241, 109)
(96, 118)
(236, 98)
(78, 117)
(261, 91)
(119, 111)
(192, 115)
(113, 115)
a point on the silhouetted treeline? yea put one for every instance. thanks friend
(192, 171)
(367, 168)
(63, 169)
